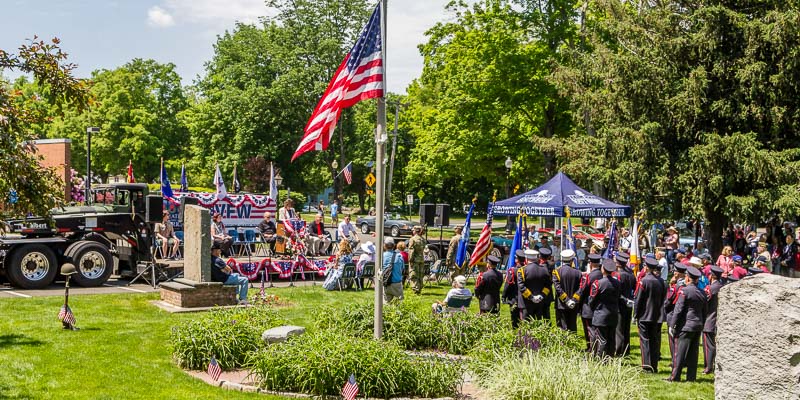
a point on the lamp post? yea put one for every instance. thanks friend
(88, 184)
(508, 165)
(335, 167)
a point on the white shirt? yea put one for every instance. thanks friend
(463, 292)
(345, 229)
(664, 268)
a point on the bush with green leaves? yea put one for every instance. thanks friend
(227, 334)
(559, 375)
(531, 335)
(320, 363)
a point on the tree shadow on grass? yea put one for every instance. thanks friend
(18, 340)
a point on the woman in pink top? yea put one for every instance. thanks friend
(725, 261)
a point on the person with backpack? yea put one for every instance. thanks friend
(392, 274)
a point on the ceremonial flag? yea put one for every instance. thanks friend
(166, 189)
(359, 77)
(484, 244)
(350, 389)
(636, 258)
(348, 173)
(66, 316)
(273, 184)
(463, 244)
(214, 369)
(184, 180)
(571, 239)
(516, 244)
(612, 241)
(236, 186)
(220, 185)
(130, 178)
(525, 238)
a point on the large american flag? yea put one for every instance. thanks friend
(484, 244)
(348, 173)
(350, 389)
(214, 369)
(66, 316)
(359, 77)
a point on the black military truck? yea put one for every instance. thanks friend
(112, 233)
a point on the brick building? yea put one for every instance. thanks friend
(56, 154)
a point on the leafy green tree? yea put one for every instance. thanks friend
(136, 108)
(21, 117)
(692, 106)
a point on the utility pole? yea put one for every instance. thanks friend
(88, 183)
(397, 105)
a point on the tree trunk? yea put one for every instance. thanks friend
(548, 131)
(714, 226)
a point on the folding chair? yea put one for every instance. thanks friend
(179, 235)
(260, 246)
(439, 271)
(368, 274)
(458, 304)
(234, 233)
(249, 239)
(348, 275)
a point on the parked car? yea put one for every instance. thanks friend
(394, 226)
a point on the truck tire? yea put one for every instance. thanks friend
(364, 228)
(93, 262)
(32, 266)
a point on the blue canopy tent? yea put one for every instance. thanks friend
(550, 199)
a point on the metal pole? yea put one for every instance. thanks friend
(380, 140)
(88, 184)
(397, 106)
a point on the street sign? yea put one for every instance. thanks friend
(410, 199)
(370, 192)
(420, 194)
(370, 179)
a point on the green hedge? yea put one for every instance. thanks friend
(321, 363)
(228, 334)
(538, 336)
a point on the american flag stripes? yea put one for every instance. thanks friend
(484, 244)
(359, 77)
(348, 173)
(130, 178)
(350, 389)
(66, 316)
(214, 371)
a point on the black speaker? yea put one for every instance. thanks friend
(427, 214)
(442, 215)
(155, 208)
(186, 201)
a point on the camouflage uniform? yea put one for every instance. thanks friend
(416, 247)
(450, 261)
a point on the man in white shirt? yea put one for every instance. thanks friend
(346, 229)
(663, 263)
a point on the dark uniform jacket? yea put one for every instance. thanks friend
(585, 290)
(627, 282)
(510, 290)
(650, 297)
(567, 284)
(669, 302)
(605, 302)
(532, 280)
(487, 290)
(712, 297)
(690, 310)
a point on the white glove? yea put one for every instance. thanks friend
(571, 304)
(629, 303)
(537, 299)
(671, 331)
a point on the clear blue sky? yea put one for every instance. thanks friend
(106, 34)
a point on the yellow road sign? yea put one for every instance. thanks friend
(370, 179)
(370, 192)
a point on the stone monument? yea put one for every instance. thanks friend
(758, 339)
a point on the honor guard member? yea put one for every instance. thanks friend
(533, 283)
(567, 283)
(452, 249)
(604, 299)
(511, 291)
(546, 260)
(710, 326)
(487, 287)
(673, 288)
(686, 325)
(650, 295)
(416, 248)
(583, 293)
(627, 285)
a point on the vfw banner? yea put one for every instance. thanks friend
(242, 210)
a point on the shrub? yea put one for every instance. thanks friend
(560, 375)
(531, 336)
(319, 364)
(227, 334)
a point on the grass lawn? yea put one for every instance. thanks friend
(122, 350)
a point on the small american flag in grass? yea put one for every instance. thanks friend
(66, 316)
(350, 389)
(213, 369)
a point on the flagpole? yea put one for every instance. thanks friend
(161, 176)
(380, 141)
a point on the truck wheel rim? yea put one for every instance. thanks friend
(395, 231)
(35, 266)
(92, 265)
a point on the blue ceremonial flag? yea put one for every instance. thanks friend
(571, 240)
(463, 244)
(525, 238)
(184, 180)
(612, 241)
(166, 189)
(516, 244)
